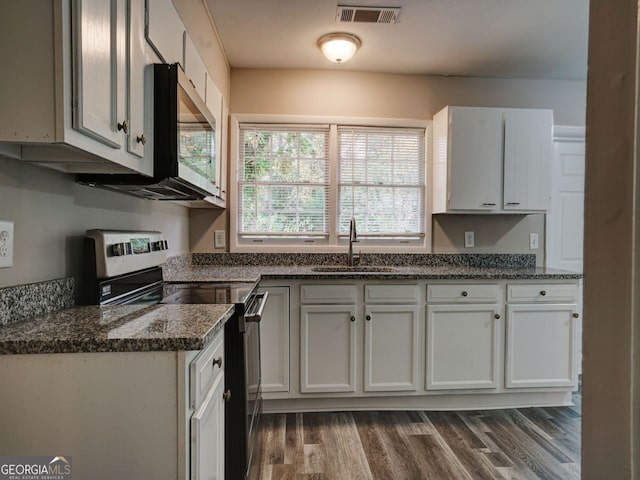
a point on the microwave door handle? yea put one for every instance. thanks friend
(257, 315)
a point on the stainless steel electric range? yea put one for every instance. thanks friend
(125, 267)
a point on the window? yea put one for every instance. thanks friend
(283, 181)
(381, 181)
(301, 184)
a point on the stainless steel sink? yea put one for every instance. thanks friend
(355, 268)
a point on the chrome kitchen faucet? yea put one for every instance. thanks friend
(353, 238)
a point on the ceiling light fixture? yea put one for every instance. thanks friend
(339, 47)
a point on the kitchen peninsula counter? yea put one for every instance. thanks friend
(119, 328)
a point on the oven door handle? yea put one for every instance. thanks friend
(255, 313)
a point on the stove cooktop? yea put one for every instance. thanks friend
(207, 293)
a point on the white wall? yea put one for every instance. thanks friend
(360, 94)
(51, 213)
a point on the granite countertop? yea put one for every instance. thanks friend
(220, 273)
(121, 328)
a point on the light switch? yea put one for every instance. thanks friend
(6, 244)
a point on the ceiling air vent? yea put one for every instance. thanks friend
(350, 14)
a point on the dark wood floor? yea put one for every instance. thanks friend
(525, 443)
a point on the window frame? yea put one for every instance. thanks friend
(333, 243)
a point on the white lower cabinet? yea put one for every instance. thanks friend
(541, 345)
(384, 344)
(391, 348)
(159, 413)
(463, 346)
(541, 335)
(274, 341)
(327, 348)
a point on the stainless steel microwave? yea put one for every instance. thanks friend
(184, 150)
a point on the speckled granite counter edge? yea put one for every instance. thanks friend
(101, 345)
(21, 302)
(516, 275)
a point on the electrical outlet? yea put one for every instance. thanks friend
(469, 240)
(533, 241)
(6, 244)
(218, 239)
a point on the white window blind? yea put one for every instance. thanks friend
(381, 181)
(283, 181)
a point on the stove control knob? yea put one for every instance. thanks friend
(117, 250)
(166, 245)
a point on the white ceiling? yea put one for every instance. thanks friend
(492, 38)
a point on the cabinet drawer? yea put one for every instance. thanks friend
(327, 293)
(548, 293)
(389, 293)
(205, 368)
(464, 293)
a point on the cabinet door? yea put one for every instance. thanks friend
(213, 100)
(135, 78)
(207, 435)
(528, 137)
(224, 160)
(541, 346)
(164, 30)
(194, 66)
(475, 158)
(462, 346)
(327, 348)
(274, 341)
(99, 44)
(391, 345)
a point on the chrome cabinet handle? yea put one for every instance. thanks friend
(543, 293)
(141, 139)
(575, 315)
(353, 319)
(465, 293)
(368, 318)
(497, 316)
(217, 361)
(513, 203)
(488, 204)
(124, 126)
(227, 395)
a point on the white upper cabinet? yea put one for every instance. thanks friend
(99, 56)
(213, 100)
(87, 85)
(136, 64)
(194, 66)
(164, 31)
(491, 160)
(528, 150)
(468, 160)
